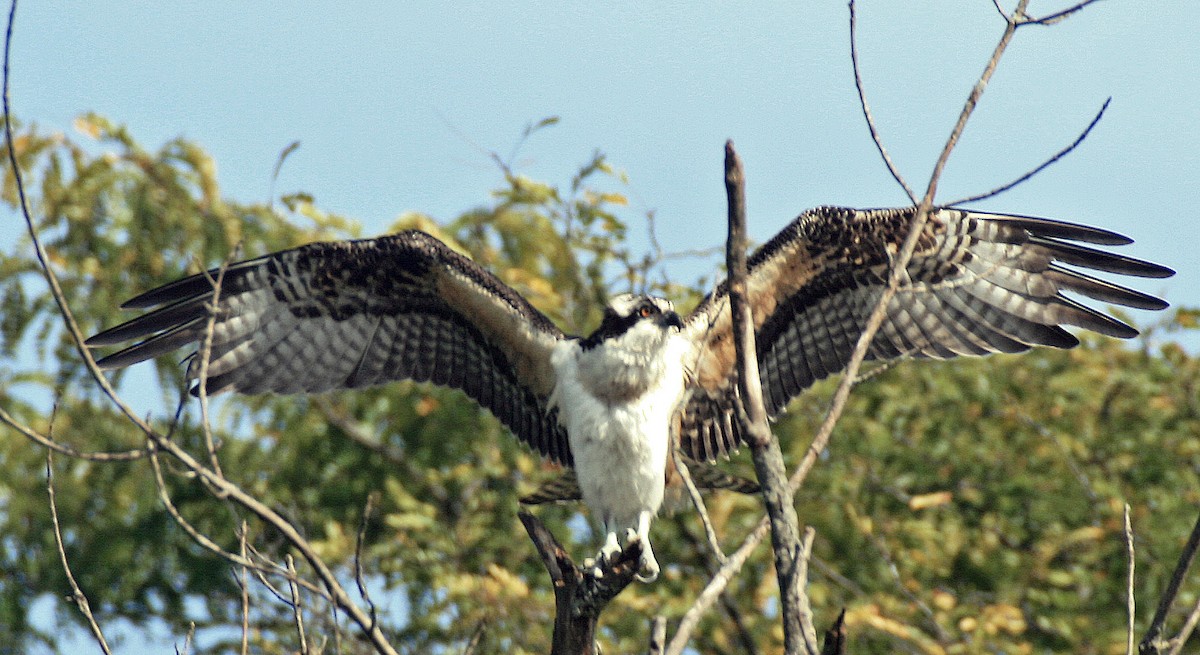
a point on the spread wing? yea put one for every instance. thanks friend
(980, 283)
(350, 314)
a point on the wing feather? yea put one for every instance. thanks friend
(350, 314)
(980, 283)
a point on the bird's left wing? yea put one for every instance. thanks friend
(979, 283)
(350, 314)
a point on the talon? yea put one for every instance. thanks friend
(648, 571)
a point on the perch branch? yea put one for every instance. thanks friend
(579, 594)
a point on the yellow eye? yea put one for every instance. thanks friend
(645, 312)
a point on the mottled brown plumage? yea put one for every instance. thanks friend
(979, 283)
(350, 314)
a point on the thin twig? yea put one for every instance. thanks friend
(245, 584)
(1056, 17)
(64, 449)
(187, 639)
(1130, 607)
(372, 500)
(77, 594)
(800, 581)
(476, 639)
(1044, 165)
(283, 155)
(297, 603)
(866, 109)
(728, 602)
(1150, 643)
(658, 635)
(205, 355)
(204, 541)
(1185, 633)
(714, 544)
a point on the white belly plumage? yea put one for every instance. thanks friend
(616, 407)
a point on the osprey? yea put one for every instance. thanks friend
(613, 404)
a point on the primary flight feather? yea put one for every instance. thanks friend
(349, 314)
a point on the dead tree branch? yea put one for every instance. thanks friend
(1152, 643)
(752, 412)
(580, 595)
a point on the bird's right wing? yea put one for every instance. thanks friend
(350, 314)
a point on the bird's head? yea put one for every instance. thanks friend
(632, 317)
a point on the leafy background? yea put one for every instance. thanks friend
(971, 506)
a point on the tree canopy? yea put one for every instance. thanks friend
(967, 506)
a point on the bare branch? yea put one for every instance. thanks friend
(204, 541)
(714, 544)
(752, 412)
(866, 109)
(187, 639)
(244, 582)
(205, 354)
(1056, 17)
(800, 582)
(1044, 165)
(372, 500)
(728, 602)
(77, 594)
(297, 603)
(283, 155)
(1151, 643)
(658, 635)
(835, 637)
(1129, 601)
(1185, 633)
(63, 449)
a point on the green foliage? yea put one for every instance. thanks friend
(972, 506)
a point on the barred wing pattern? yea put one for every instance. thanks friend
(350, 314)
(979, 283)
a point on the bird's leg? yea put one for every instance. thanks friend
(608, 551)
(647, 565)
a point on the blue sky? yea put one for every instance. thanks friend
(396, 104)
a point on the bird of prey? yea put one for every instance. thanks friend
(613, 404)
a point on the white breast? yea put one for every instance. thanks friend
(616, 405)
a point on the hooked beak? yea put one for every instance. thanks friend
(670, 319)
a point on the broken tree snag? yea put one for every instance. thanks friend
(835, 637)
(579, 594)
(752, 415)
